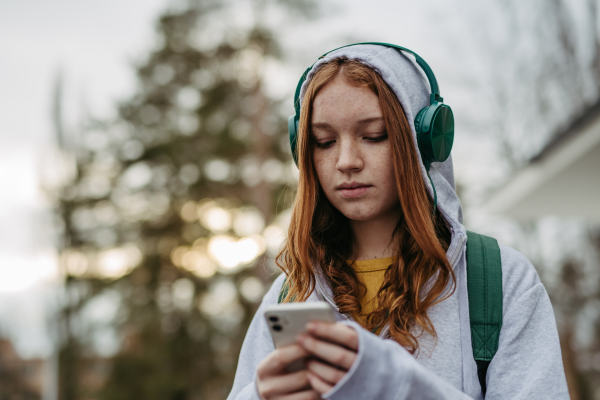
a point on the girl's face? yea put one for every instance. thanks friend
(352, 154)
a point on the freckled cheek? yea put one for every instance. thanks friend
(323, 169)
(384, 170)
(382, 162)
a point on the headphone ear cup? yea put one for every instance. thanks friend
(435, 136)
(422, 137)
(442, 133)
(419, 120)
(293, 133)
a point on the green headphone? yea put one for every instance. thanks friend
(434, 124)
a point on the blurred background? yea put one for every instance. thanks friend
(146, 178)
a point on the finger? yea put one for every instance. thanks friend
(275, 363)
(330, 352)
(326, 372)
(318, 384)
(336, 333)
(283, 384)
(304, 395)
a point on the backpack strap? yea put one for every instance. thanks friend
(484, 284)
(283, 291)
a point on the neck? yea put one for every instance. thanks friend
(372, 238)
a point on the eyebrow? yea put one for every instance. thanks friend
(325, 125)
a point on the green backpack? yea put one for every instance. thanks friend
(484, 284)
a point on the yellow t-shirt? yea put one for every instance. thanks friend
(371, 274)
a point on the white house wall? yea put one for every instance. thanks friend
(565, 182)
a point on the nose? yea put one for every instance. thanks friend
(349, 157)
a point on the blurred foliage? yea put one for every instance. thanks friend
(168, 215)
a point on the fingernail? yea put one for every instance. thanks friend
(311, 326)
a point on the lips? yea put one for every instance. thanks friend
(353, 189)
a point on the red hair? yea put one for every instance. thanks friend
(319, 234)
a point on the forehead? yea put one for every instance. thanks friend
(340, 101)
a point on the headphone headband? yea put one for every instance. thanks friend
(435, 90)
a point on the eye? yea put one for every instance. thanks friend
(325, 145)
(376, 139)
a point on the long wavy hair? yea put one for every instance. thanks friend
(319, 235)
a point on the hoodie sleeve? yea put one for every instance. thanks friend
(528, 364)
(385, 370)
(257, 345)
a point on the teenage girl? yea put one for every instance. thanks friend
(377, 233)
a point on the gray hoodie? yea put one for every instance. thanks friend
(528, 364)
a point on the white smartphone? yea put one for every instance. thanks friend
(288, 320)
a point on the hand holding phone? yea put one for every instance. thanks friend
(312, 361)
(283, 371)
(288, 320)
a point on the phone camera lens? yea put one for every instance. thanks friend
(273, 318)
(277, 327)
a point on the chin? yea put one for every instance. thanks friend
(367, 211)
(358, 215)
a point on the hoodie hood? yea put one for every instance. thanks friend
(406, 79)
